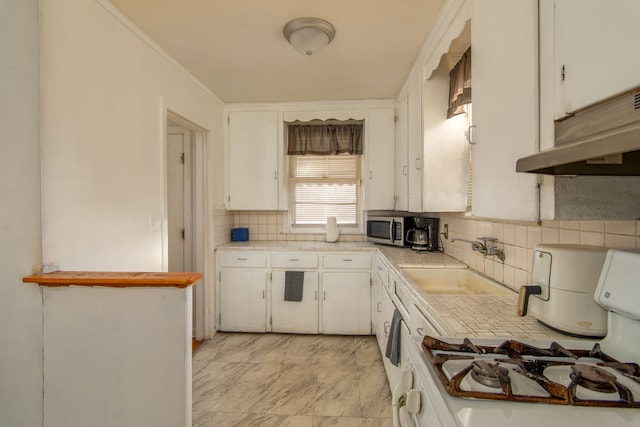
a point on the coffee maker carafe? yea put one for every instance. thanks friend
(424, 237)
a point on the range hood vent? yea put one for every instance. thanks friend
(600, 140)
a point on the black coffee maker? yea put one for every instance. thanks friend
(424, 236)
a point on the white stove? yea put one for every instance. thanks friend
(487, 382)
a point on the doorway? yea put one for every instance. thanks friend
(185, 159)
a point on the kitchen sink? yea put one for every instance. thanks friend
(454, 281)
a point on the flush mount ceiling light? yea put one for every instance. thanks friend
(309, 35)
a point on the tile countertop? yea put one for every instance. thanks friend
(486, 316)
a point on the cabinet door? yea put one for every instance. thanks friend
(414, 103)
(379, 154)
(394, 373)
(505, 107)
(346, 303)
(402, 156)
(243, 303)
(446, 151)
(376, 304)
(385, 316)
(253, 160)
(299, 317)
(593, 39)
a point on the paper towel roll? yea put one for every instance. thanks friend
(332, 229)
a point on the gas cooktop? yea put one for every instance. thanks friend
(520, 372)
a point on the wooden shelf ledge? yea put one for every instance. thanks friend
(115, 279)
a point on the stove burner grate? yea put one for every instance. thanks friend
(593, 378)
(531, 362)
(490, 374)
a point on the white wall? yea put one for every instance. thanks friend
(105, 90)
(20, 304)
(117, 357)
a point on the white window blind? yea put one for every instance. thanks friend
(322, 186)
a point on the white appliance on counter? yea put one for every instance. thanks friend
(564, 278)
(486, 382)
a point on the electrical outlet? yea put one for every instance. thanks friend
(445, 233)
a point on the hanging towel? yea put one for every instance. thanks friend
(293, 284)
(393, 342)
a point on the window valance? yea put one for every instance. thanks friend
(460, 85)
(322, 138)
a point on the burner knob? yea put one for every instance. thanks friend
(414, 401)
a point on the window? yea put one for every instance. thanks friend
(460, 85)
(322, 186)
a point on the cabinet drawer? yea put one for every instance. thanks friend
(404, 299)
(242, 259)
(424, 323)
(347, 261)
(294, 260)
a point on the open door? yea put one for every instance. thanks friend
(186, 209)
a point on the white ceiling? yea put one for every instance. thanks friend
(236, 47)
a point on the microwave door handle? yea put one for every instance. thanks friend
(391, 235)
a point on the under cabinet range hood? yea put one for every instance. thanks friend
(603, 139)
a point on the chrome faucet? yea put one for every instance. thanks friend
(484, 245)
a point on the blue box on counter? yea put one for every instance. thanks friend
(239, 234)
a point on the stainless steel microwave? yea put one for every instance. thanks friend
(387, 230)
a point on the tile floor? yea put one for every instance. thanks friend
(290, 380)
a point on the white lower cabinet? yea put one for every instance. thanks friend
(386, 308)
(243, 301)
(300, 317)
(336, 296)
(346, 303)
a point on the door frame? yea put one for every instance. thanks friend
(202, 291)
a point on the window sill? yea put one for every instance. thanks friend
(313, 230)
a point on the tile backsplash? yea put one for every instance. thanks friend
(265, 226)
(517, 239)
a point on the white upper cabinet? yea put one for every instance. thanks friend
(408, 147)
(446, 149)
(379, 155)
(595, 42)
(414, 148)
(401, 156)
(504, 44)
(432, 155)
(256, 150)
(253, 160)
